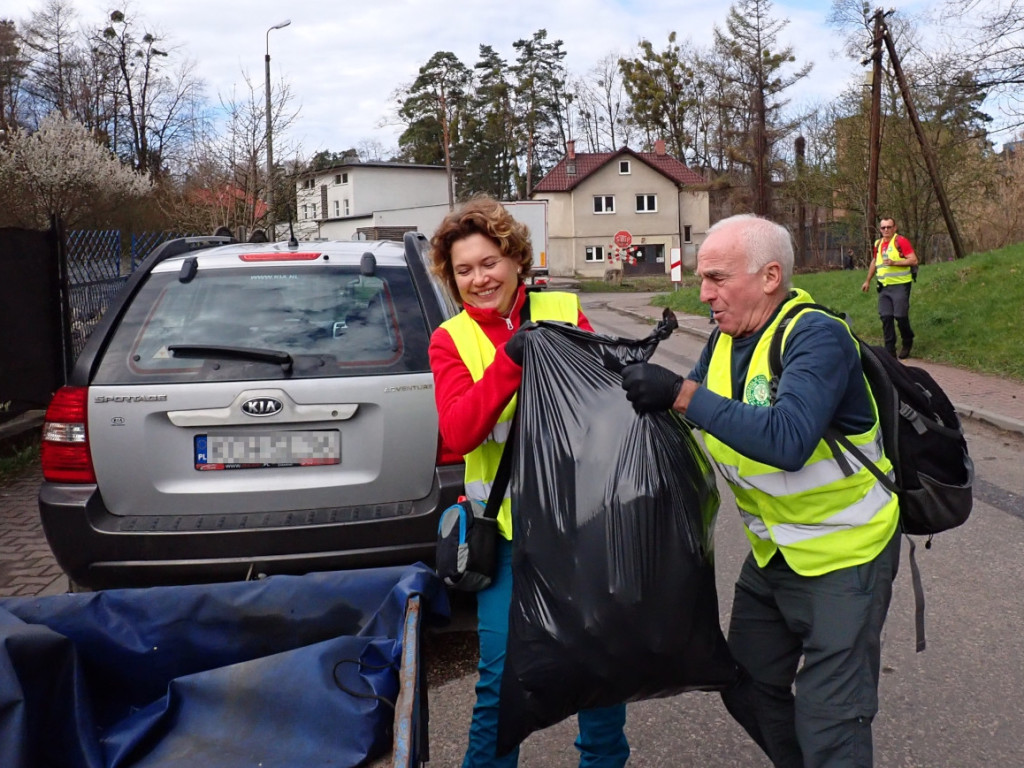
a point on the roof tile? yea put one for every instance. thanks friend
(558, 179)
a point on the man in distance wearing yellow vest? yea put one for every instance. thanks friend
(822, 529)
(893, 263)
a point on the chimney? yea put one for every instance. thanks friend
(570, 149)
(659, 147)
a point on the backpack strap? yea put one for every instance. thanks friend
(775, 349)
(834, 438)
(501, 477)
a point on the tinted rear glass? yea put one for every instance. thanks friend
(327, 320)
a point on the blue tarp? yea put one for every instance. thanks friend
(286, 671)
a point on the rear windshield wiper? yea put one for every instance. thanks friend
(233, 353)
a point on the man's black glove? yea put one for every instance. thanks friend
(514, 346)
(650, 387)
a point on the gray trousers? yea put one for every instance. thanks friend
(894, 304)
(818, 714)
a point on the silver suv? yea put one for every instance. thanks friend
(249, 409)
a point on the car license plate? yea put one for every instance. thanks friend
(273, 449)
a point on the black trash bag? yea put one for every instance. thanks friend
(613, 595)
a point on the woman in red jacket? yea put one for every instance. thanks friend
(483, 256)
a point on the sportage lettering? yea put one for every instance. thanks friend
(130, 398)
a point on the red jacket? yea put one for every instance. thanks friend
(467, 410)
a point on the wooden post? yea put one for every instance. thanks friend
(799, 147)
(926, 150)
(875, 132)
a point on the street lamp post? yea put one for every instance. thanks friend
(270, 142)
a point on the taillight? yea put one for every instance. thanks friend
(446, 455)
(64, 452)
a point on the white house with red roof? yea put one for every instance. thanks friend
(593, 197)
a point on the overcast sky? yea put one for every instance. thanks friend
(345, 59)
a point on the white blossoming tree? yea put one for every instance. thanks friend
(61, 170)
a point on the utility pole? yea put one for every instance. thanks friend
(926, 148)
(882, 34)
(875, 129)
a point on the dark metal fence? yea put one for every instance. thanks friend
(99, 263)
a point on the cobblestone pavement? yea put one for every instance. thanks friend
(27, 566)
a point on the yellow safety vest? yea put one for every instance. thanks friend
(893, 275)
(477, 352)
(818, 517)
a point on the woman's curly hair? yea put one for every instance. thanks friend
(484, 216)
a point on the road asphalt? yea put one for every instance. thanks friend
(27, 567)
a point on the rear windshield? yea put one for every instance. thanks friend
(268, 323)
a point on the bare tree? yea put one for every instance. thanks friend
(226, 179)
(52, 41)
(987, 39)
(13, 69)
(67, 74)
(155, 103)
(602, 107)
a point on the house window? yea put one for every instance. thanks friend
(346, 207)
(604, 203)
(344, 178)
(624, 167)
(309, 183)
(646, 203)
(337, 178)
(305, 211)
(337, 209)
(594, 253)
(687, 233)
(314, 210)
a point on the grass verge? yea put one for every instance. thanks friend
(968, 313)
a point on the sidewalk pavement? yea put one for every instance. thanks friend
(989, 399)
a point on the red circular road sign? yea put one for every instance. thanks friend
(623, 239)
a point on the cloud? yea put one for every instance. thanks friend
(345, 60)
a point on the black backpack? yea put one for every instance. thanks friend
(923, 438)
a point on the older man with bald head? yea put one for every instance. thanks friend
(822, 529)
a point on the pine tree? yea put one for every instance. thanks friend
(751, 61)
(433, 109)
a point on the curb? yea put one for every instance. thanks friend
(966, 411)
(20, 431)
(1004, 423)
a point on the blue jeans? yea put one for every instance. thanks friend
(601, 742)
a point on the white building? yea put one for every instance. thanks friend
(332, 203)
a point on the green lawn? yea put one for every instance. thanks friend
(968, 313)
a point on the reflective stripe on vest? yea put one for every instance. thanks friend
(811, 477)
(893, 275)
(820, 518)
(477, 352)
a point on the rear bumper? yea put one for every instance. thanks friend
(100, 550)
